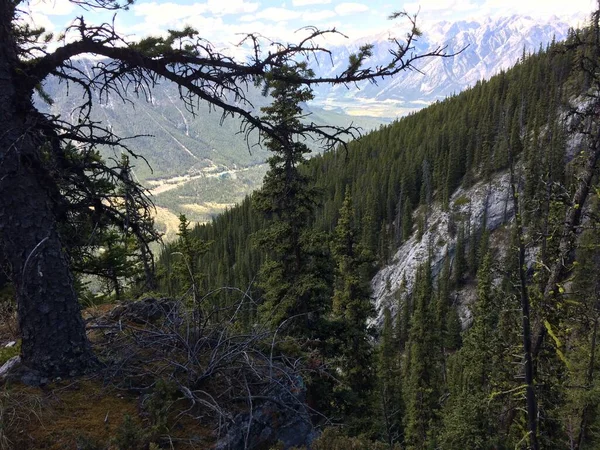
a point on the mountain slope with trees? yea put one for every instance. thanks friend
(266, 328)
(521, 372)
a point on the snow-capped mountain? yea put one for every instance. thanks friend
(488, 46)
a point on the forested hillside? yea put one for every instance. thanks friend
(521, 373)
(194, 163)
(431, 285)
(419, 159)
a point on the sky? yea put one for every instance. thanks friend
(226, 21)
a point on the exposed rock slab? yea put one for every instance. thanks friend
(486, 204)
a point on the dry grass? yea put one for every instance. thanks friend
(208, 373)
(19, 409)
(207, 208)
(70, 410)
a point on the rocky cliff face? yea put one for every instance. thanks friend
(486, 204)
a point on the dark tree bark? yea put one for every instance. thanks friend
(53, 333)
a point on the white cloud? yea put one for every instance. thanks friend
(273, 15)
(37, 20)
(310, 2)
(345, 9)
(316, 16)
(222, 7)
(169, 11)
(539, 7)
(436, 5)
(43, 14)
(452, 6)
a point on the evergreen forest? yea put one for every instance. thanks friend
(365, 297)
(305, 247)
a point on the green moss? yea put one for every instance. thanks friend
(8, 352)
(461, 201)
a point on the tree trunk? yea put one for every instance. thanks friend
(54, 341)
(531, 402)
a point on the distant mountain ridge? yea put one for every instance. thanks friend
(490, 45)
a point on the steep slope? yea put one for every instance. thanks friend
(486, 205)
(395, 172)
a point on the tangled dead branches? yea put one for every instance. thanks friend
(224, 374)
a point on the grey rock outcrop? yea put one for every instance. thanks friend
(486, 204)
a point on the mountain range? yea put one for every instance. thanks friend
(482, 48)
(200, 165)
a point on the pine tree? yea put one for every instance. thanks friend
(389, 382)
(188, 248)
(468, 422)
(446, 314)
(407, 220)
(460, 263)
(114, 260)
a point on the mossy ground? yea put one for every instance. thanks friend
(72, 411)
(96, 412)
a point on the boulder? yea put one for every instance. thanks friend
(284, 419)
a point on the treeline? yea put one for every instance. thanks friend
(302, 252)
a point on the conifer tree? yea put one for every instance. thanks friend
(189, 248)
(403, 315)
(422, 380)
(460, 263)
(583, 321)
(352, 308)
(293, 290)
(113, 260)
(389, 382)
(467, 419)
(117, 253)
(407, 220)
(137, 222)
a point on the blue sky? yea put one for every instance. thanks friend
(225, 20)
